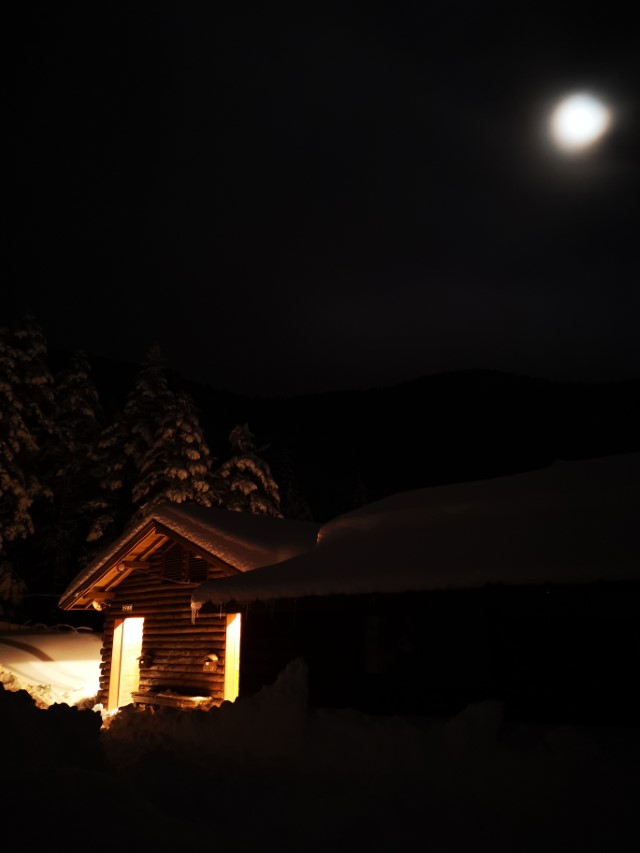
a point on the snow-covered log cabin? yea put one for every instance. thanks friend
(522, 588)
(153, 650)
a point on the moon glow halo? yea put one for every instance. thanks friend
(579, 121)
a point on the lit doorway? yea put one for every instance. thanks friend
(125, 667)
(232, 658)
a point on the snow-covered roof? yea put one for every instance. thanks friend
(242, 540)
(571, 522)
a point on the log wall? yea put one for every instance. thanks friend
(551, 653)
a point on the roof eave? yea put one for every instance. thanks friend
(109, 573)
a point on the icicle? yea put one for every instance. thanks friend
(195, 606)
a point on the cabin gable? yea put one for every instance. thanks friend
(153, 651)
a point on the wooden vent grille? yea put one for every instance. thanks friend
(198, 569)
(178, 565)
(174, 564)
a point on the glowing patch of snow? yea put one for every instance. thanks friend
(53, 666)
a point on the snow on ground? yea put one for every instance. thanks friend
(268, 773)
(53, 664)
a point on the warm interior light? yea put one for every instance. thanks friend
(232, 658)
(125, 670)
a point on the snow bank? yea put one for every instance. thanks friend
(268, 773)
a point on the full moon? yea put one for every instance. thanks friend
(579, 121)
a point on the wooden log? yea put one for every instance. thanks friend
(156, 644)
(137, 595)
(150, 685)
(182, 686)
(199, 656)
(144, 607)
(185, 679)
(156, 590)
(184, 626)
(169, 652)
(162, 674)
(181, 703)
(166, 649)
(153, 697)
(186, 631)
(182, 608)
(183, 618)
(164, 645)
(205, 631)
(189, 666)
(194, 663)
(169, 656)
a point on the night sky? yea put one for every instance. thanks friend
(293, 201)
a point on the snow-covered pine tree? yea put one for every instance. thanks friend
(12, 591)
(177, 467)
(78, 425)
(292, 502)
(109, 504)
(34, 387)
(244, 482)
(122, 447)
(26, 406)
(79, 410)
(19, 481)
(146, 404)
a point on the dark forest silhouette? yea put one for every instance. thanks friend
(72, 474)
(89, 443)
